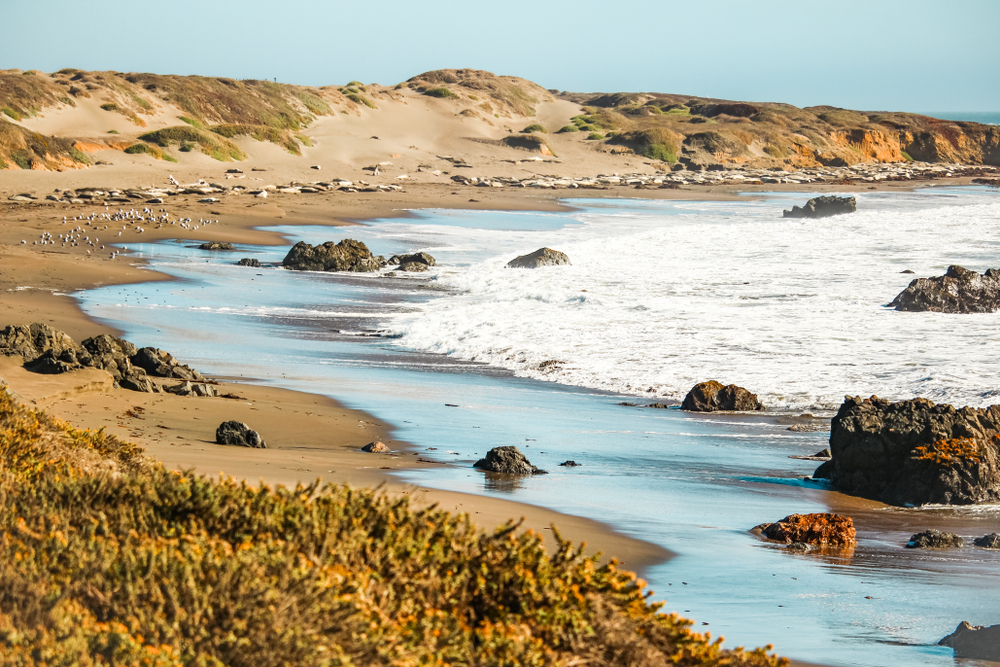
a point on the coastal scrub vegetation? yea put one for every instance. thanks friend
(30, 150)
(442, 93)
(260, 133)
(210, 144)
(656, 143)
(112, 559)
(151, 150)
(534, 127)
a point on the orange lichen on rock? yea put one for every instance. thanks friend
(950, 452)
(823, 529)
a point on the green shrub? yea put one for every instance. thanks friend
(78, 155)
(357, 84)
(660, 152)
(113, 132)
(110, 106)
(440, 92)
(3, 165)
(906, 156)
(595, 136)
(774, 151)
(304, 140)
(67, 101)
(193, 122)
(567, 128)
(21, 160)
(186, 147)
(534, 127)
(111, 559)
(11, 113)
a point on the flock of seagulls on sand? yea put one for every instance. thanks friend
(135, 220)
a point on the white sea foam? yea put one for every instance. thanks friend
(655, 302)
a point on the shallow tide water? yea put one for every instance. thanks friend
(660, 295)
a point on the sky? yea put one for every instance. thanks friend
(912, 55)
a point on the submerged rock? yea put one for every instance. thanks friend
(914, 452)
(239, 434)
(959, 290)
(713, 396)
(348, 255)
(252, 262)
(541, 257)
(570, 464)
(823, 207)
(974, 642)
(507, 460)
(830, 530)
(935, 539)
(991, 541)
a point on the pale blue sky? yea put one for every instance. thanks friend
(912, 55)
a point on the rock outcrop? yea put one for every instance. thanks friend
(541, 257)
(348, 255)
(162, 364)
(507, 460)
(377, 447)
(46, 350)
(239, 434)
(825, 530)
(823, 207)
(974, 642)
(935, 539)
(31, 341)
(252, 262)
(914, 452)
(713, 396)
(959, 290)
(216, 245)
(188, 388)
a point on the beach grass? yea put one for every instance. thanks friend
(112, 559)
(534, 127)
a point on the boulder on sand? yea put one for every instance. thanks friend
(33, 340)
(974, 642)
(823, 207)
(541, 257)
(377, 447)
(239, 434)
(959, 290)
(935, 539)
(348, 255)
(162, 364)
(507, 460)
(914, 452)
(713, 396)
(822, 529)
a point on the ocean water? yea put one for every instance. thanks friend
(676, 292)
(988, 117)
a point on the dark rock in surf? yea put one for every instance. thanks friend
(974, 642)
(713, 396)
(508, 460)
(348, 255)
(216, 245)
(914, 452)
(959, 290)
(419, 261)
(252, 262)
(239, 434)
(991, 541)
(570, 464)
(935, 539)
(822, 529)
(823, 207)
(541, 257)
